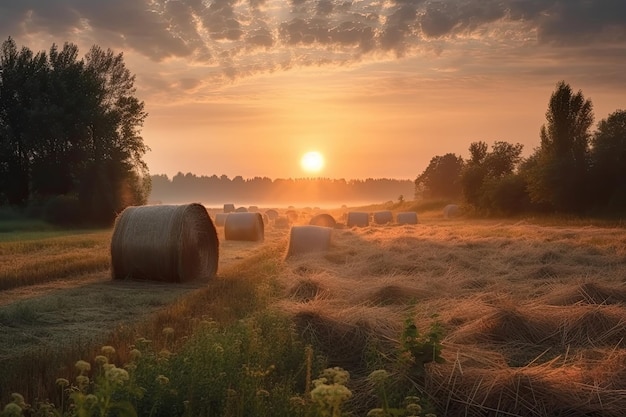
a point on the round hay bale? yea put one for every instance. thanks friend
(241, 210)
(358, 219)
(171, 243)
(271, 214)
(406, 217)
(306, 239)
(292, 214)
(282, 222)
(451, 210)
(253, 209)
(323, 219)
(220, 219)
(244, 226)
(229, 208)
(383, 217)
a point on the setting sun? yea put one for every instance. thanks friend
(312, 161)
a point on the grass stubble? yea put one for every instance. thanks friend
(533, 313)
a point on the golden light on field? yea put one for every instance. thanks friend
(312, 162)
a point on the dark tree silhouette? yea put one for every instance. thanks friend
(608, 156)
(440, 179)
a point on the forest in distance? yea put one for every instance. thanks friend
(263, 191)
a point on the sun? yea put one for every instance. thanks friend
(312, 161)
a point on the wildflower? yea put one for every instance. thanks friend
(411, 399)
(62, 382)
(168, 331)
(130, 367)
(430, 415)
(262, 393)
(82, 381)
(218, 348)
(135, 354)
(336, 375)
(18, 399)
(12, 410)
(108, 350)
(376, 412)
(91, 400)
(83, 366)
(108, 366)
(117, 375)
(379, 376)
(414, 409)
(297, 401)
(162, 379)
(101, 360)
(231, 393)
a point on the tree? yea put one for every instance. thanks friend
(441, 178)
(489, 179)
(608, 156)
(560, 175)
(71, 127)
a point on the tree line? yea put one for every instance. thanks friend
(214, 190)
(574, 170)
(70, 133)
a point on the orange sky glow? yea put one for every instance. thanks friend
(378, 87)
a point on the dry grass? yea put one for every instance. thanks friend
(534, 313)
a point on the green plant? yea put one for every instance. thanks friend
(422, 348)
(330, 392)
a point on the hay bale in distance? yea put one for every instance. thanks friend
(323, 219)
(451, 210)
(241, 210)
(292, 215)
(282, 222)
(171, 243)
(406, 217)
(244, 226)
(306, 239)
(383, 217)
(220, 219)
(271, 214)
(229, 208)
(358, 219)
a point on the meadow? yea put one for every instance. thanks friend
(476, 317)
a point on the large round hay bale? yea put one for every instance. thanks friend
(383, 217)
(406, 217)
(220, 219)
(451, 210)
(229, 208)
(271, 214)
(244, 226)
(306, 239)
(323, 219)
(172, 243)
(358, 219)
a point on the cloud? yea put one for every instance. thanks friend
(222, 33)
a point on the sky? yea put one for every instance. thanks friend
(379, 88)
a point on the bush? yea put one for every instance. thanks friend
(62, 210)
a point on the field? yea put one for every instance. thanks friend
(532, 312)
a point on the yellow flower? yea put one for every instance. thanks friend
(117, 375)
(12, 410)
(162, 379)
(83, 366)
(108, 350)
(168, 331)
(135, 354)
(101, 360)
(62, 382)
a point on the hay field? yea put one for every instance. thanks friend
(533, 313)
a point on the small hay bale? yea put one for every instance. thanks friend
(293, 215)
(171, 243)
(383, 217)
(271, 214)
(282, 222)
(358, 219)
(241, 210)
(253, 209)
(323, 219)
(244, 226)
(306, 239)
(450, 211)
(406, 217)
(229, 208)
(220, 219)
